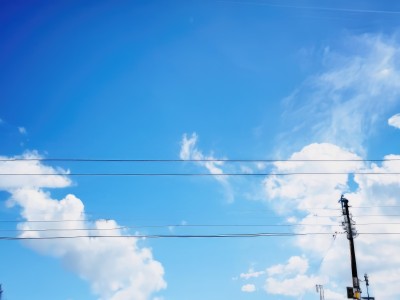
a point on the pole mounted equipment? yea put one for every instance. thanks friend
(348, 225)
(320, 289)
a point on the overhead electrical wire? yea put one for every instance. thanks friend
(200, 174)
(317, 8)
(189, 226)
(160, 236)
(149, 236)
(191, 160)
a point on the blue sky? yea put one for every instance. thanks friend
(197, 80)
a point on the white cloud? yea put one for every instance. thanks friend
(251, 274)
(45, 176)
(295, 265)
(189, 151)
(290, 279)
(376, 254)
(307, 191)
(333, 113)
(22, 130)
(295, 286)
(116, 267)
(394, 121)
(344, 102)
(248, 288)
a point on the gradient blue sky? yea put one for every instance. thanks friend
(227, 79)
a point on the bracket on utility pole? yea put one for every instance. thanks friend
(320, 290)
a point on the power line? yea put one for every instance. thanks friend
(185, 226)
(199, 174)
(320, 8)
(92, 220)
(158, 236)
(166, 226)
(191, 160)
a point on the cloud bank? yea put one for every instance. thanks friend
(116, 267)
(332, 115)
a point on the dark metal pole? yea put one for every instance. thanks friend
(366, 283)
(345, 207)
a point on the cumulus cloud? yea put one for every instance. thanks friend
(394, 121)
(28, 163)
(330, 116)
(301, 194)
(295, 264)
(307, 191)
(248, 288)
(290, 279)
(295, 286)
(117, 267)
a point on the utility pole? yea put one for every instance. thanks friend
(320, 289)
(351, 232)
(367, 285)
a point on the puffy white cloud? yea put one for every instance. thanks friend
(116, 267)
(295, 286)
(376, 254)
(42, 177)
(295, 265)
(290, 279)
(248, 288)
(307, 191)
(333, 113)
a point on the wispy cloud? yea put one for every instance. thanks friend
(116, 268)
(190, 151)
(248, 288)
(344, 102)
(251, 274)
(394, 121)
(22, 130)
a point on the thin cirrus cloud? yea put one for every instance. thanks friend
(248, 288)
(394, 121)
(117, 269)
(343, 103)
(190, 151)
